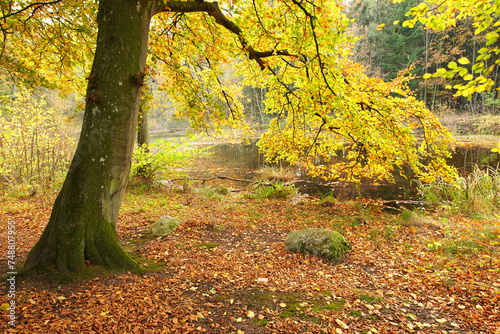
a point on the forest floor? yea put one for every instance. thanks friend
(226, 270)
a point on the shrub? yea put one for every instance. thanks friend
(166, 159)
(36, 144)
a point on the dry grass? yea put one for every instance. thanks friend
(277, 174)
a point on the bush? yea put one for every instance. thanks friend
(166, 159)
(36, 145)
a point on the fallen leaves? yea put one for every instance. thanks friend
(385, 284)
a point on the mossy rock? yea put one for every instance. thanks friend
(165, 226)
(323, 243)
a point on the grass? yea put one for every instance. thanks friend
(278, 190)
(474, 194)
(467, 238)
(276, 174)
(412, 219)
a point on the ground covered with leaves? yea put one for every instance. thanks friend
(226, 270)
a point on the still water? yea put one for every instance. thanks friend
(243, 160)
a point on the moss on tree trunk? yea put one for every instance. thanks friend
(82, 226)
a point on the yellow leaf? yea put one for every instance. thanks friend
(341, 324)
(441, 321)
(61, 298)
(464, 61)
(395, 23)
(250, 314)
(5, 306)
(104, 313)
(380, 26)
(468, 77)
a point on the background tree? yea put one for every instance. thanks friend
(440, 15)
(299, 50)
(383, 47)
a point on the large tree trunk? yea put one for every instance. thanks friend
(82, 226)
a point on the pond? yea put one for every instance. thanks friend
(244, 160)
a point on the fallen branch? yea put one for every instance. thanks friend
(228, 178)
(409, 204)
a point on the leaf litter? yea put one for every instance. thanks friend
(246, 282)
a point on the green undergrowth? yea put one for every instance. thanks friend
(475, 194)
(466, 239)
(277, 190)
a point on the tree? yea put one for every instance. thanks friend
(324, 103)
(442, 14)
(391, 50)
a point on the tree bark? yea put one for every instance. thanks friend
(82, 226)
(143, 129)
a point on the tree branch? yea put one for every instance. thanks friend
(36, 5)
(213, 10)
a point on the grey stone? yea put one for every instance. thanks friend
(323, 243)
(165, 226)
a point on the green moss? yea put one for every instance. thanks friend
(261, 322)
(330, 306)
(370, 299)
(355, 313)
(147, 265)
(51, 275)
(207, 245)
(296, 303)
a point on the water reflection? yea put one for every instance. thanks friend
(243, 160)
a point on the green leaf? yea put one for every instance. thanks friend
(452, 65)
(491, 37)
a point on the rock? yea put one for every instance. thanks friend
(324, 243)
(165, 226)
